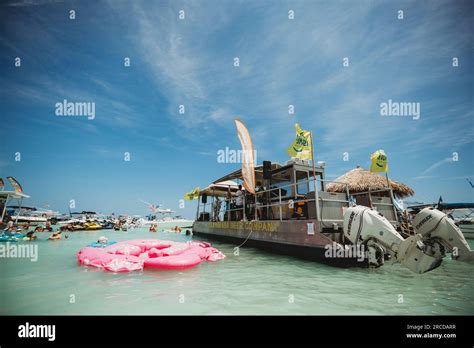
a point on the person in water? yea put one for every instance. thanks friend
(103, 240)
(55, 236)
(177, 229)
(188, 232)
(10, 226)
(30, 236)
(48, 227)
(152, 228)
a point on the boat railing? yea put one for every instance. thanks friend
(381, 200)
(275, 203)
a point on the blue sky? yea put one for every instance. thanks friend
(190, 62)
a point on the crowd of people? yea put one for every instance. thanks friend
(25, 229)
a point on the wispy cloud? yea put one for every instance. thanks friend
(437, 165)
(26, 3)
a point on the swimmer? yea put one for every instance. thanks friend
(48, 227)
(188, 232)
(152, 228)
(103, 240)
(9, 225)
(55, 236)
(30, 236)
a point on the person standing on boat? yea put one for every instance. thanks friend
(259, 199)
(239, 202)
(228, 205)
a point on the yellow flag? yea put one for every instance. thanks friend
(301, 147)
(379, 162)
(194, 194)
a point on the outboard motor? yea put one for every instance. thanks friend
(366, 226)
(438, 230)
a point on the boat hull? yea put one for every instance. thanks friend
(281, 237)
(467, 230)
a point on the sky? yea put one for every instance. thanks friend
(191, 62)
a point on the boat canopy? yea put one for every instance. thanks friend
(21, 207)
(12, 194)
(278, 171)
(441, 206)
(5, 197)
(238, 173)
(455, 206)
(221, 188)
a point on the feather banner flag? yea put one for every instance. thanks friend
(16, 185)
(248, 156)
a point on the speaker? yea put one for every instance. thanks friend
(204, 198)
(267, 170)
(204, 216)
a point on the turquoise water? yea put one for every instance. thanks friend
(255, 282)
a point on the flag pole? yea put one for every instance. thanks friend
(316, 198)
(312, 157)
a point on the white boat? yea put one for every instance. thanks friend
(466, 226)
(71, 221)
(463, 215)
(163, 219)
(30, 215)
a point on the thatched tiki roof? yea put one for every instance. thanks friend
(361, 180)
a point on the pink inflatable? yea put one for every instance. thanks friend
(134, 255)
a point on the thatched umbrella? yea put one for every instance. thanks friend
(361, 180)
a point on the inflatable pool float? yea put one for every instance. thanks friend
(135, 255)
(11, 237)
(101, 245)
(8, 239)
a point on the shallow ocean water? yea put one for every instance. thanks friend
(254, 282)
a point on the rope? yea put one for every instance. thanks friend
(246, 239)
